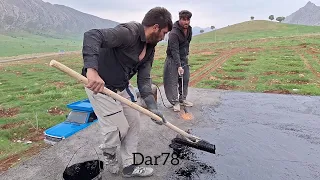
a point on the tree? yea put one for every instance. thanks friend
(201, 31)
(271, 17)
(280, 18)
(283, 18)
(252, 17)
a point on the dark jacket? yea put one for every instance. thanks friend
(114, 53)
(178, 44)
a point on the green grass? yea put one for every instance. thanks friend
(256, 29)
(18, 44)
(264, 71)
(32, 88)
(313, 61)
(10, 148)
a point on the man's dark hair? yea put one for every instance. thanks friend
(160, 16)
(185, 14)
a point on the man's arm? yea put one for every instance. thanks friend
(144, 78)
(144, 86)
(174, 48)
(95, 39)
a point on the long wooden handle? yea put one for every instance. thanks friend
(116, 96)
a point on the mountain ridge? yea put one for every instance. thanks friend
(306, 15)
(39, 17)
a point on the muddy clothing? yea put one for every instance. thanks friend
(114, 53)
(177, 56)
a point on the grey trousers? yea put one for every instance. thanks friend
(119, 123)
(173, 84)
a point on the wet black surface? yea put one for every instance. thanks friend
(87, 170)
(194, 167)
(257, 136)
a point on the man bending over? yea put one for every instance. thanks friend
(111, 58)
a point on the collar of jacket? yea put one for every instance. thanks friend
(142, 33)
(140, 30)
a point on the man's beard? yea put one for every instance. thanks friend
(185, 26)
(153, 38)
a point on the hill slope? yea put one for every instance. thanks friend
(307, 15)
(38, 17)
(196, 30)
(256, 29)
(21, 44)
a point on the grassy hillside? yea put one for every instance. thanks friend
(255, 29)
(19, 44)
(247, 57)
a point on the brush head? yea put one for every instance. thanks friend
(201, 144)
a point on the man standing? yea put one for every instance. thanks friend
(176, 68)
(111, 58)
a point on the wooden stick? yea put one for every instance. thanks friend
(116, 96)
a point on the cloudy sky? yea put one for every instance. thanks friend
(219, 13)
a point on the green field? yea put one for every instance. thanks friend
(256, 29)
(19, 44)
(256, 56)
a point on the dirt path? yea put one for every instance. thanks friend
(308, 65)
(211, 66)
(6, 163)
(205, 70)
(33, 56)
(314, 52)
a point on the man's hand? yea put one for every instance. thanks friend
(152, 106)
(157, 112)
(180, 71)
(95, 83)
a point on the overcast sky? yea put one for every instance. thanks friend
(219, 13)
